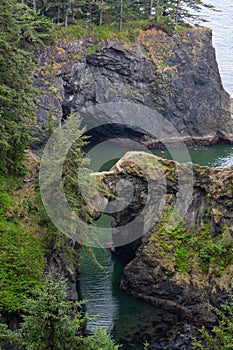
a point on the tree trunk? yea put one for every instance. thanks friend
(151, 6)
(63, 11)
(101, 14)
(58, 13)
(121, 16)
(177, 14)
(34, 5)
(157, 10)
(90, 15)
(67, 13)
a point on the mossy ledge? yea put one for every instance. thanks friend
(183, 264)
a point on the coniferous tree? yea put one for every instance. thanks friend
(180, 10)
(19, 28)
(51, 322)
(101, 10)
(221, 336)
(16, 107)
(121, 11)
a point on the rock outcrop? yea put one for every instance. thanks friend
(177, 76)
(184, 261)
(59, 264)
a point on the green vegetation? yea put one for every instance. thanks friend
(189, 249)
(106, 32)
(50, 322)
(20, 29)
(76, 178)
(27, 235)
(221, 336)
(25, 25)
(99, 341)
(98, 13)
(22, 263)
(74, 161)
(22, 247)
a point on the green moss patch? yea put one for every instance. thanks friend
(82, 30)
(190, 249)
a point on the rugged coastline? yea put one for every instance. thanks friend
(138, 256)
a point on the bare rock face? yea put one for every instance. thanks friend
(177, 76)
(59, 265)
(184, 259)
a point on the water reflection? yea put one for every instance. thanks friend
(131, 321)
(96, 288)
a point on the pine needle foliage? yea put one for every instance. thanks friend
(120, 12)
(52, 322)
(19, 27)
(221, 336)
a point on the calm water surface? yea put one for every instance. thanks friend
(106, 154)
(221, 23)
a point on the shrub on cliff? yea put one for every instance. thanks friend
(99, 341)
(221, 336)
(51, 322)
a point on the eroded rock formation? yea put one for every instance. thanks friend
(184, 261)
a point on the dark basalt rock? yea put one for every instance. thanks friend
(59, 265)
(177, 76)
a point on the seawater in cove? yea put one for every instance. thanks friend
(131, 321)
(217, 156)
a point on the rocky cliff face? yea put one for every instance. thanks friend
(177, 76)
(184, 262)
